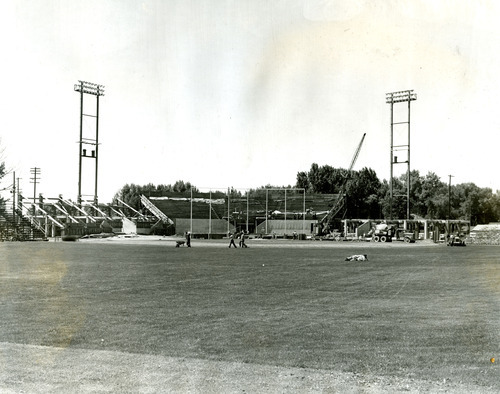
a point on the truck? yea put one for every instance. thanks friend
(387, 233)
(457, 239)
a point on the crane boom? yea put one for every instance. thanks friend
(356, 154)
(340, 202)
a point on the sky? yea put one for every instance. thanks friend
(245, 93)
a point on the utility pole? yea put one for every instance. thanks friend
(14, 197)
(449, 197)
(35, 179)
(19, 196)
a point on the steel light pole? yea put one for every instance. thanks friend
(392, 98)
(93, 89)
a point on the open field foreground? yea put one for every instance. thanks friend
(280, 316)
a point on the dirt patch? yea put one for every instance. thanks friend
(27, 368)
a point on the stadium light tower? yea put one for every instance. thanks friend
(392, 98)
(95, 90)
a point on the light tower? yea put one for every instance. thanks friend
(96, 90)
(392, 98)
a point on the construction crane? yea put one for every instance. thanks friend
(325, 223)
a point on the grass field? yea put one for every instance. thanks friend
(280, 316)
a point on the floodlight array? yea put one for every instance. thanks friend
(90, 88)
(401, 96)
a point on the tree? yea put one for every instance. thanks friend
(181, 186)
(398, 209)
(496, 206)
(417, 208)
(324, 179)
(479, 205)
(318, 179)
(362, 190)
(430, 198)
(303, 181)
(433, 192)
(485, 212)
(131, 194)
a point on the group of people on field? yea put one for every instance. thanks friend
(242, 240)
(231, 242)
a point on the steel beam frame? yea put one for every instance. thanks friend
(392, 98)
(93, 89)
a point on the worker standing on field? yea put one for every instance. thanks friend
(231, 243)
(242, 240)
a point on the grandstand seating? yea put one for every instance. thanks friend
(179, 205)
(215, 206)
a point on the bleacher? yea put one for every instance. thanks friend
(214, 206)
(277, 203)
(179, 205)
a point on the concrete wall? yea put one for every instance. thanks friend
(129, 226)
(202, 226)
(423, 228)
(280, 227)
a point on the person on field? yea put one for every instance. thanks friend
(188, 239)
(357, 257)
(242, 240)
(231, 242)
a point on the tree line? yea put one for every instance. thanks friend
(430, 198)
(368, 197)
(131, 193)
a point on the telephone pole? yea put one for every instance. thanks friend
(449, 197)
(14, 191)
(35, 179)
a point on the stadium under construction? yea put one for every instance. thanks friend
(264, 213)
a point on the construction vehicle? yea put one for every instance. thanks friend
(382, 233)
(388, 233)
(406, 236)
(324, 226)
(457, 239)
